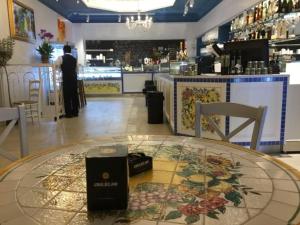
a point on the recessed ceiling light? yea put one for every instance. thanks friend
(129, 5)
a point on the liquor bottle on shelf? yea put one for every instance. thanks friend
(238, 66)
(251, 16)
(247, 18)
(262, 11)
(297, 5)
(278, 7)
(265, 11)
(255, 14)
(284, 7)
(290, 6)
(291, 29)
(232, 62)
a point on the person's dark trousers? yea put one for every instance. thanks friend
(71, 100)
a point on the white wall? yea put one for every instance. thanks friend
(119, 31)
(45, 18)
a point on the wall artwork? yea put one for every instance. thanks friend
(61, 26)
(21, 21)
(187, 95)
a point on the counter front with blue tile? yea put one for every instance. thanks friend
(181, 93)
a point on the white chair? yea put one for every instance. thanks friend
(33, 103)
(13, 115)
(256, 115)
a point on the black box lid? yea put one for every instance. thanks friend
(108, 151)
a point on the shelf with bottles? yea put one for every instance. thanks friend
(271, 19)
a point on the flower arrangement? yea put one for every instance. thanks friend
(45, 49)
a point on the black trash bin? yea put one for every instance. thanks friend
(149, 86)
(155, 101)
(149, 89)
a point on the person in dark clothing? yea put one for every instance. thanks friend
(68, 65)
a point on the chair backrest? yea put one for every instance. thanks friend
(35, 90)
(256, 115)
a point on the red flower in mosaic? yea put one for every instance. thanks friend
(192, 209)
(213, 203)
(219, 161)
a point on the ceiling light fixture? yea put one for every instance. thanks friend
(129, 5)
(188, 4)
(133, 23)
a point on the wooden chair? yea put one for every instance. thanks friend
(81, 94)
(33, 103)
(256, 115)
(14, 115)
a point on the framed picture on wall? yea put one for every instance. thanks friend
(21, 21)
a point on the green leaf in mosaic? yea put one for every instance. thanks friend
(186, 172)
(254, 192)
(222, 209)
(192, 219)
(123, 221)
(213, 215)
(232, 180)
(213, 182)
(234, 197)
(152, 210)
(173, 215)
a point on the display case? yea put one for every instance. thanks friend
(101, 80)
(184, 68)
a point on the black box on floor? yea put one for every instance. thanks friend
(138, 163)
(107, 178)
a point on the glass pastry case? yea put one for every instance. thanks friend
(101, 80)
(184, 68)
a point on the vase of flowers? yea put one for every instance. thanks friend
(6, 52)
(45, 49)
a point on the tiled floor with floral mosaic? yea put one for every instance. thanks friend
(192, 182)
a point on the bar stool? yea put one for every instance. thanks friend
(81, 94)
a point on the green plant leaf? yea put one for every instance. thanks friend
(173, 215)
(192, 219)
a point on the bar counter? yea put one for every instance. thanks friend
(181, 93)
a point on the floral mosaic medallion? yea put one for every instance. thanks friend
(189, 97)
(192, 182)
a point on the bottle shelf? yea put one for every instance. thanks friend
(265, 22)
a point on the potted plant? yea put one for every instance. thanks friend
(45, 49)
(6, 52)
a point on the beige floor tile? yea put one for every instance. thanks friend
(280, 211)
(265, 220)
(286, 197)
(7, 186)
(233, 216)
(285, 185)
(68, 200)
(9, 211)
(257, 201)
(36, 197)
(260, 185)
(7, 197)
(49, 216)
(24, 220)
